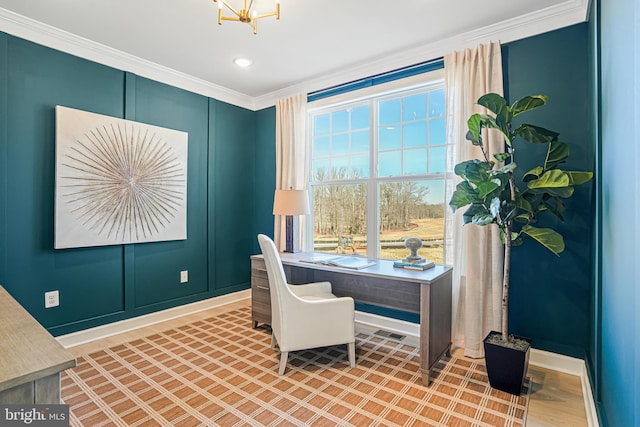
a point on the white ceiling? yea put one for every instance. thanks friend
(315, 44)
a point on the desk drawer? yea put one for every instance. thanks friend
(258, 267)
(259, 284)
(261, 305)
(260, 297)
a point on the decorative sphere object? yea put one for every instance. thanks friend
(413, 244)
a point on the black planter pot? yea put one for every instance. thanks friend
(506, 367)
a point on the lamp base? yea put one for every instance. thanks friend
(291, 244)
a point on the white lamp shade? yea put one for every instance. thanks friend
(291, 202)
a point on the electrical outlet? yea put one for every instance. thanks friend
(51, 299)
(184, 276)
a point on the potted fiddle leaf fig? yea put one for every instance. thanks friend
(493, 196)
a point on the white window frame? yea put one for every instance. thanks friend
(373, 94)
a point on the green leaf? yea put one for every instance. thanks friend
(469, 137)
(550, 179)
(557, 153)
(462, 196)
(500, 178)
(497, 105)
(503, 120)
(547, 237)
(533, 174)
(528, 103)
(489, 122)
(555, 205)
(472, 211)
(577, 178)
(536, 134)
(460, 168)
(517, 241)
(564, 192)
(501, 157)
(508, 211)
(506, 169)
(486, 187)
(474, 171)
(482, 219)
(474, 125)
(493, 102)
(524, 204)
(530, 197)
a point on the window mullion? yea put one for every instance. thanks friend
(373, 213)
(308, 231)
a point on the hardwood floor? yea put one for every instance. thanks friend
(556, 398)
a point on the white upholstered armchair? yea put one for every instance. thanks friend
(305, 316)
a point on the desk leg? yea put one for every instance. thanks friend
(435, 324)
(426, 378)
(426, 373)
(425, 336)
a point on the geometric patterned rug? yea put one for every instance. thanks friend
(222, 372)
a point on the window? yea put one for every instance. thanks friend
(377, 169)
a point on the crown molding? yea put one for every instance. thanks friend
(552, 18)
(561, 15)
(55, 38)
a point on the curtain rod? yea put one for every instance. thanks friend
(375, 79)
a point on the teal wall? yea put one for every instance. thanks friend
(265, 173)
(105, 284)
(618, 365)
(232, 191)
(550, 295)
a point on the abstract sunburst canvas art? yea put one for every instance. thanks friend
(118, 181)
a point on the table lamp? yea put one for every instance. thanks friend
(290, 202)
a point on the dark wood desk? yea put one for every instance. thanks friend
(425, 292)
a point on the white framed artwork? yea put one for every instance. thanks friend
(118, 181)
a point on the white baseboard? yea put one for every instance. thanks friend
(104, 331)
(589, 401)
(364, 320)
(556, 362)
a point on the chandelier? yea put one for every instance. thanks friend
(246, 14)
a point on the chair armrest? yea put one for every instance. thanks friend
(311, 289)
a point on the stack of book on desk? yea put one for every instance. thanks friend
(411, 266)
(356, 263)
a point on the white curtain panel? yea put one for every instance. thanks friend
(477, 251)
(291, 146)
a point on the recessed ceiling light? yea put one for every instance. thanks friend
(242, 62)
